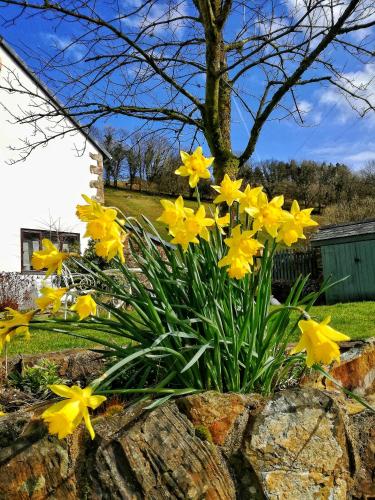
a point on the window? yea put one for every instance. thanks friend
(31, 240)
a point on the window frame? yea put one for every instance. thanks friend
(45, 233)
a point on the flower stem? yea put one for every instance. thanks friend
(197, 195)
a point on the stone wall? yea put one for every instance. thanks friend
(306, 443)
(299, 444)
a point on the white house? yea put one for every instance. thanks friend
(38, 195)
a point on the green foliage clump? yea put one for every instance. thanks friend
(36, 379)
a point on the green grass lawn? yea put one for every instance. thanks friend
(353, 319)
(44, 341)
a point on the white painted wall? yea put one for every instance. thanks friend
(46, 186)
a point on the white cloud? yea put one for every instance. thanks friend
(310, 115)
(166, 15)
(304, 106)
(327, 12)
(361, 156)
(354, 153)
(64, 43)
(360, 83)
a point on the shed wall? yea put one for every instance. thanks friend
(355, 260)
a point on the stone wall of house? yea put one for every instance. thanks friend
(97, 169)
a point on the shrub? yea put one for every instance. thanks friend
(16, 290)
(356, 209)
(36, 379)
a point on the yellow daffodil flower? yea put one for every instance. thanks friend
(103, 225)
(269, 215)
(195, 166)
(290, 233)
(89, 212)
(249, 200)
(292, 229)
(197, 223)
(182, 236)
(110, 247)
(85, 306)
(319, 341)
(64, 417)
(302, 217)
(223, 221)
(51, 297)
(2, 413)
(242, 250)
(243, 244)
(174, 212)
(49, 258)
(238, 266)
(188, 228)
(18, 324)
(229, 191)
(98, 218)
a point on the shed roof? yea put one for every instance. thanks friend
(364, 229)
(81, 128)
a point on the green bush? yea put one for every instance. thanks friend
(36, 379)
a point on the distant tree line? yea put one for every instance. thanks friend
(314, 184)
(148, 162)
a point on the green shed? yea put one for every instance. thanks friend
(348, 250)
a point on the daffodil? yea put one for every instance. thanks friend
(319, 341)
(223, 221)
(197, 223)
(89, 212)
(49, 258)
(249, 200)
(292, 229)
(51, 297)
(229, 191)
(2, 413)
(243, 244)
(98, 218)
(104, 226)
(181, 236)
(289, 233)
(302, 217)
(111, 247)
(238, 265)
(173, 213)
(17, 324)
(195, 166)
(85, 306)
(64, 417)
(190, 227)
(242, 250)
(269, 215)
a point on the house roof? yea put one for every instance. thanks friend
(364, 229)
(21, 64)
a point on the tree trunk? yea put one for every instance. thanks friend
(217, 111)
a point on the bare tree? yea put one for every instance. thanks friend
(181, 63)
(147, 157)
(114, 140)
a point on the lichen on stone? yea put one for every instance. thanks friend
(203, 433)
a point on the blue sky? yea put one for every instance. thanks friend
(333, 132)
